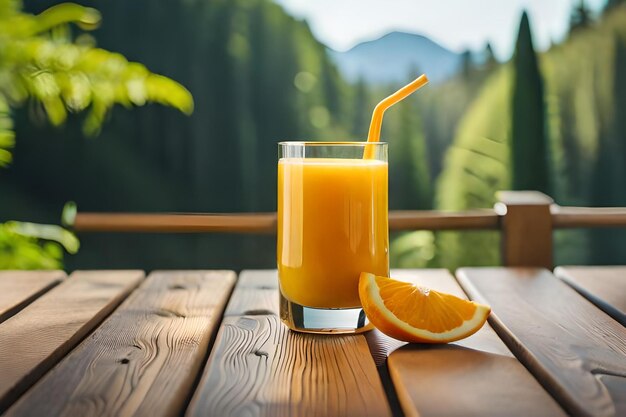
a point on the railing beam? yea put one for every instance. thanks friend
(580, 217)
(261, 223)
(481, 219)
(265, 223)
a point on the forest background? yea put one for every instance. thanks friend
(553, 121)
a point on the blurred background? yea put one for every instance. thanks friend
(523, 95)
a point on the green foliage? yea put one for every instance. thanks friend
(477, 162)
(610, 164)
(476, 165)
(413, 249)
(584, 100)
(581, 17)
(40, 61)
(34, 246)
(530, 152)
(7, 136)
(362, 110)
(409, 176)
(441, 109)
(611, 4)
(258, 76)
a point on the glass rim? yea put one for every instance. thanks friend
(335, 143)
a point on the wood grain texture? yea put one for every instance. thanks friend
(32, 341)
(604, 286)
(260, 368)
(477, 376)
(255, 294)
(144, 359)
(575, 350)
(20, 288)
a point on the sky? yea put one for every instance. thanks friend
(455, 24)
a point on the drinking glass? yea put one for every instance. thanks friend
(332, 225)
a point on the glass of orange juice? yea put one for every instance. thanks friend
(332, 225)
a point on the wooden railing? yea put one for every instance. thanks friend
(265, 223)
(526, 220)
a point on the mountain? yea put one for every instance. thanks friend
(392, 57)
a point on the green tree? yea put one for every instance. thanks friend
(607, 187)
(607, 190)
(529, 145)
(258, 76)
(490, 58)
(584, 100)
(572, 158)
(361, 110)
(475, 167)
(581, 17)
(619, 106)
(409, 179)
(612, 4)
(466, 63)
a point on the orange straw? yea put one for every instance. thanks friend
(377, 117)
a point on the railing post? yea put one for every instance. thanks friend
(526, 225)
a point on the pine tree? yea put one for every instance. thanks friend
(581, 17)
(529, 146)
(611, 4)
(490, 58)
(466, 63)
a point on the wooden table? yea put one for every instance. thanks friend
(209, 343)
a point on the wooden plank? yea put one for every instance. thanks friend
(477, 376)
(604, 286)
(37, 337)
(441, 280)
(526, 228)
(144, 359)
(256, 293)
(20, 288)
(575, 350)
(258, 278)
(260, 368)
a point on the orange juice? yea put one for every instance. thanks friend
(332, 225)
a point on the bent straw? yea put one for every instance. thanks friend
(377, 116)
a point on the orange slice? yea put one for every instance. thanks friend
(417, 314)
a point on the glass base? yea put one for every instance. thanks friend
(323, 320)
